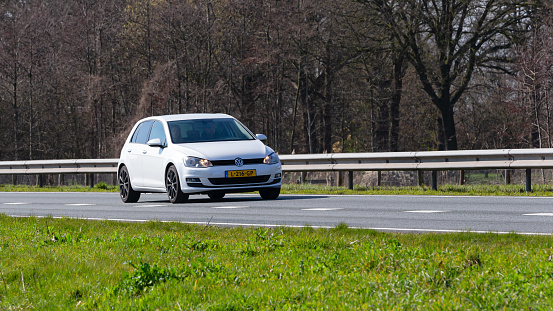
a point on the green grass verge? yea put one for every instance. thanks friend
(68, 264)
(501, 190)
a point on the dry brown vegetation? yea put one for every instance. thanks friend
(313, 75)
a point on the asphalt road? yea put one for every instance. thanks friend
(526, 215)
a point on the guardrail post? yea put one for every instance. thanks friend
(91, 180)
(303, 177)
(39, 181)
(379, 179)
(434, 180)
(350, 180)
(420, 175)
(528, 180)
(14, 180)
(462, 178)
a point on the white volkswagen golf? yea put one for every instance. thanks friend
(185, 154)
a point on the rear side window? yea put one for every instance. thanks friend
(133, 139)
(141, 134)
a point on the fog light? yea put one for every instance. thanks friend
(194, 179)
(278, 175)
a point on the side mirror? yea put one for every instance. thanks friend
(156, 142)
(261, 136)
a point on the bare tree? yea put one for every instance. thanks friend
(448, 40)
(12, 26)
(320, 51)
(315, 76)
(534, 79)
(384, 63)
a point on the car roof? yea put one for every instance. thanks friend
(191, 116)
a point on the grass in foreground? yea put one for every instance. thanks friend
(52, 264)
(499, 190)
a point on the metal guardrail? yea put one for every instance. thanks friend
(386, 161)
(42, 167)
(82, 166)
(421, 161)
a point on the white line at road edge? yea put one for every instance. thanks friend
(229, 224)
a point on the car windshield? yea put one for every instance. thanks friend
(207, 130)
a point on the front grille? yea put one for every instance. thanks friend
(231, 162)
(240, 180)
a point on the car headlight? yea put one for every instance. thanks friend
(271, 159)
(196, 162)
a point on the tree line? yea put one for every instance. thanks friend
(313, 75)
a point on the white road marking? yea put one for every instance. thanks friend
(205, 223)
(228, 207)
(80, 204)
(322, 209)
(539, 214)
(151, 205)
(15, 203)
(425, 211)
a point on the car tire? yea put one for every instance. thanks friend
(126, 192)
(269, 193)
(216, 195)
(172, 184)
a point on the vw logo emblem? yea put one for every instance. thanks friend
(238, 161)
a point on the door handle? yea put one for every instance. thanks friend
(144, 151)
(129, 150)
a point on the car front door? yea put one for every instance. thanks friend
(153, 160)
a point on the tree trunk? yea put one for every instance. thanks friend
(15, 111)
(328, 127)
(448, 122)
(310, 126)
(383, 126)
(295, 111)
(397, 90)
(15, 120)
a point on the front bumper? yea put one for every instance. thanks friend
(213, 179)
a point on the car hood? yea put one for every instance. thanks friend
(225, 150)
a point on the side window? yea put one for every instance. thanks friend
(143, 132)
(135, 134)
(158, 132)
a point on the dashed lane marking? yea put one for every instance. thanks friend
(228, 207)
(322, 209)
(15, 203)
(539, 214)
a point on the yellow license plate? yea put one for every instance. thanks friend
(244, 173)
